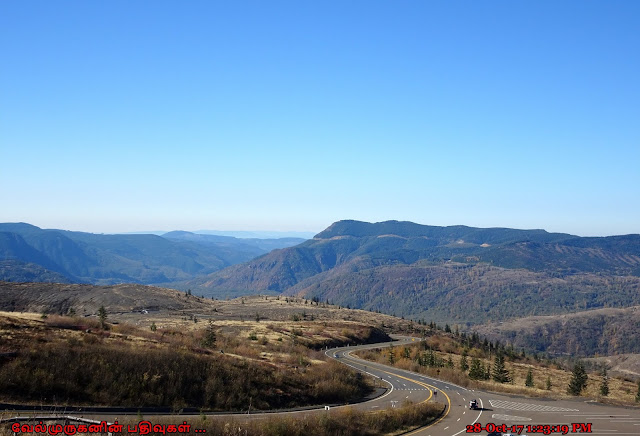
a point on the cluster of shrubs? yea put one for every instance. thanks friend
(107, 374)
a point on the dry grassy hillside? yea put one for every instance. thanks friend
(608, 331)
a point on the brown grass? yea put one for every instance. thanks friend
(344, 422)
(622, 391)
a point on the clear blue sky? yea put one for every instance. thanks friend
(120, 116)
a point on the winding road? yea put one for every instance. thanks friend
(533, 414)
(537, 416)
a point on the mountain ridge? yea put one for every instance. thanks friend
(364, 265)
(69, 256)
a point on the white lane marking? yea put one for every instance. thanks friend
(372, 375)
(458, 393)
(458, 419)
(433, 380)
(510, 405)
(509, 417)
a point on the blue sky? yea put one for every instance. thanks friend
(120, 116)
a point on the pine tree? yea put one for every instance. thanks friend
(450, 362)
(638, 394)
(464, 365)
(487, 372)
(578, 381)
(477, 369)
(405, 353)
(548, 383)
(529, 381)
(392, 356)
(102, 315)
(500, 373)
(209, 339)
(604, 386)
(431, 358)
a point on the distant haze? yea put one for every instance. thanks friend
(243, 234)
(257, 234)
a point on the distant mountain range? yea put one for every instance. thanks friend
(447, 274)
(472, 277)
(29, 253)
(257, 234)
(240, 234)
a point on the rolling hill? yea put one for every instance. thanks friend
(30, 253)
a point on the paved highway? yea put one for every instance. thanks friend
(498, 409)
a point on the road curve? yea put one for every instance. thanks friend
(580, 417)
(536, 416)
(409, 386)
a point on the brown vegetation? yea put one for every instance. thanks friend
(447, 348)
(344, 422)
(66, 360)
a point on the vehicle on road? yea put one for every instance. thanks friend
(473, 405)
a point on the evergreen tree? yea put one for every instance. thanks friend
(209, 339)
(604, 386)
(476, 372)
(487, 372)
(405, 353)
(578, 381)
(464, 365)
(102, 316)
(447, 328)
(529, 381)
(500, 373)
(431, 358)
(392, 356)
(638, 394)
(450, 362)
(548, 383)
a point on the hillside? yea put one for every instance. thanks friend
(604, 332)
(29, 253)
(448, 274)
(87, 299)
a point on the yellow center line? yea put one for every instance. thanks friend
(431, 394)
(428, 386)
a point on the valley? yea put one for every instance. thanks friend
(457, 293)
